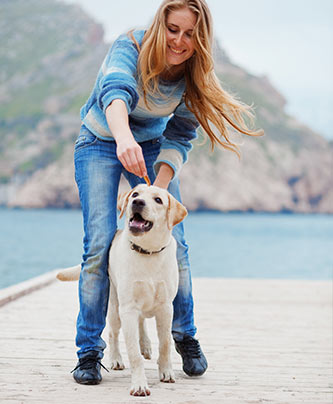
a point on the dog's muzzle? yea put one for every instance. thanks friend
(137, 224)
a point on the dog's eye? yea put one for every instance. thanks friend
(159, 200)
(135, 194)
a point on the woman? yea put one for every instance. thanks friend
(153, 90)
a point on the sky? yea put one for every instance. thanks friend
(290, 41)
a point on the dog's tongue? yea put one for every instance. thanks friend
(138, 224)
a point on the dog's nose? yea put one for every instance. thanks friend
(138, 203)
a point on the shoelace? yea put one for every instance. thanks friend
(88, 363)
(192, 347)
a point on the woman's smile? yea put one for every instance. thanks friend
(178, 52)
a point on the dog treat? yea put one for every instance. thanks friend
(146, 178)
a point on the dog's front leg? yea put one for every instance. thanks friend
(130, 324)
(163, 324)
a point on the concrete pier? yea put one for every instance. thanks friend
(266, 341)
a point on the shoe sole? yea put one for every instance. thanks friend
(88, 382)
(194, 374)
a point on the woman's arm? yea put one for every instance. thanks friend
(176, 144)
(164, 176)
(129, 151)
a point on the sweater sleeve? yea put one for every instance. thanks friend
(118, 75)
(180, 130)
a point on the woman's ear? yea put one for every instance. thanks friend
(176, 212)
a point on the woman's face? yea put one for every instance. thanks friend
(179, 41)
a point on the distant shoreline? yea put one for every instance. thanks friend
(196, 211)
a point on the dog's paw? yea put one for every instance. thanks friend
(140, 389)
(167, 375)
(117, 364)
(146, 351)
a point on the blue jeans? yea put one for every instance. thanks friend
(97, 174)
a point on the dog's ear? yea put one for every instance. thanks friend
(122, 202)
(176, 212)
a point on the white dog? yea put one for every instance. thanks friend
(143, 280)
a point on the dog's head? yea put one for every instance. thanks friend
(150, 209)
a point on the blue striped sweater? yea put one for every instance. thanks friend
(168, 118)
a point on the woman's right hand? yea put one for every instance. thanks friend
(130, 155)
(129, 152)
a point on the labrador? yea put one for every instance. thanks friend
(143, 275)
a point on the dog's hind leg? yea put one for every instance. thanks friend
(145, 344)
(114, 321)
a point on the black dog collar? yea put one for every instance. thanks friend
(140, 250)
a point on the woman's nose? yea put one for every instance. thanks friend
(178, 39)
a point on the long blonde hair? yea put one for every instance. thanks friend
(204, 96)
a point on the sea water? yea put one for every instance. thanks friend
(244, 245)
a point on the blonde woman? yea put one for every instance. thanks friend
(153, 90)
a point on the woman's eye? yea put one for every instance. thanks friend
(159, 200)
(172, 30)
(135, 194)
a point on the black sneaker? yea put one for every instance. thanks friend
(88, 369)
(194, 361)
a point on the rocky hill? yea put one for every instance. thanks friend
(48, 66)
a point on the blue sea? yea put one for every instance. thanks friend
(244, 245)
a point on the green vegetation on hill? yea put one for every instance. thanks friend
(34, 30)
(44, 43)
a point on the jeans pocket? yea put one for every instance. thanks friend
(85, 138)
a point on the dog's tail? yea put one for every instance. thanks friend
(69, 274)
